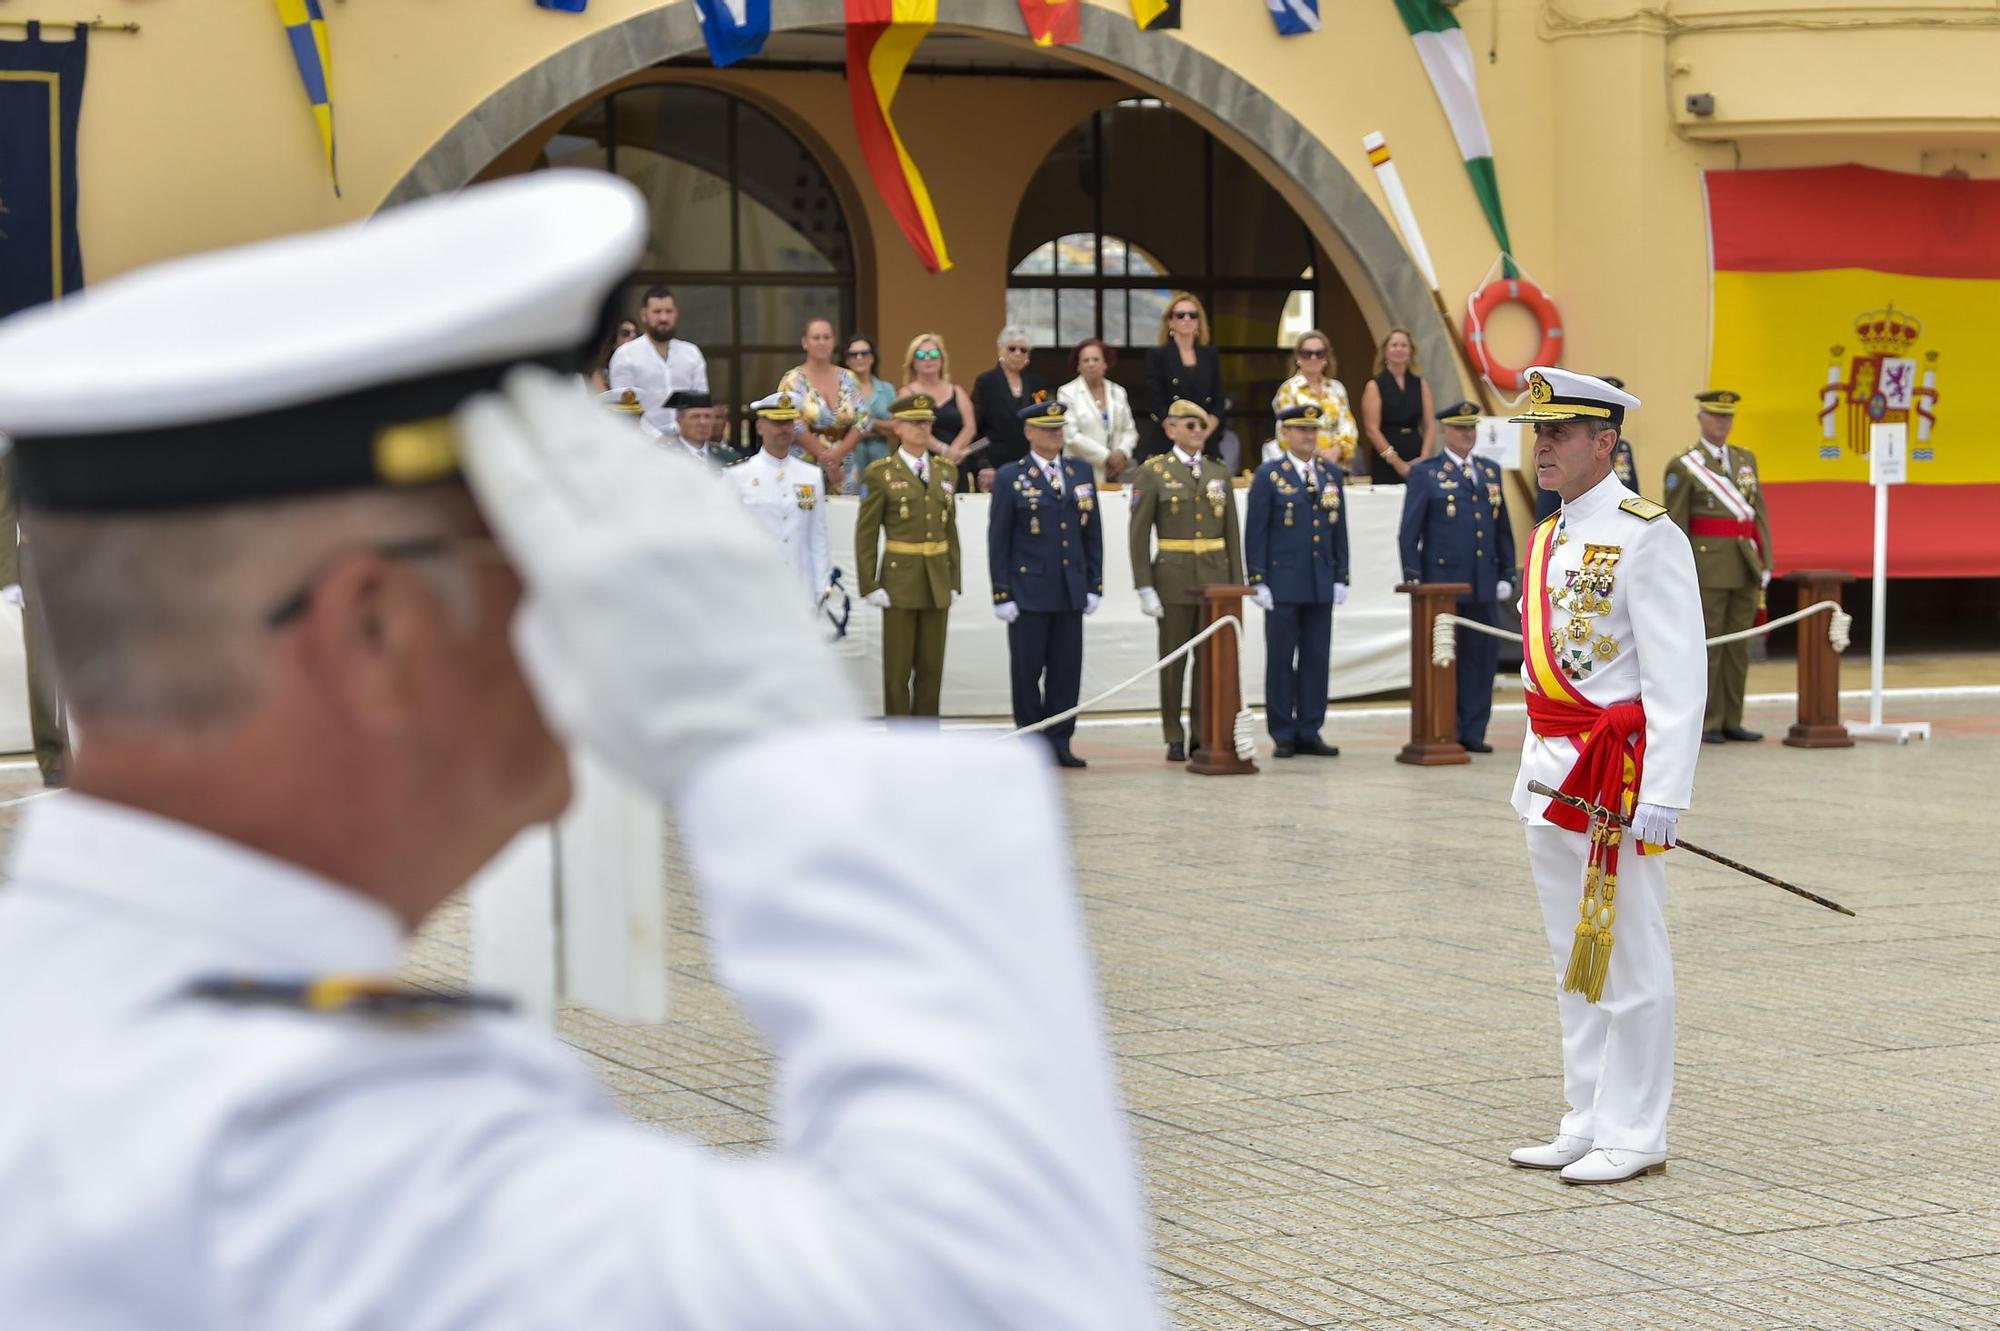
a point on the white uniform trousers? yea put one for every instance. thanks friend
(1618, 1053)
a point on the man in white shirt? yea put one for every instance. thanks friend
(785, 495)
(322, 619)
(658, 364)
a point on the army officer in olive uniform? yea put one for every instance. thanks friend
(1186, 500)
(1045, 548)
(1712, 494)
(1295, 543)
(1456, 529)
(912, 573)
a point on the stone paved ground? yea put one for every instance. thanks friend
(1331, 1006)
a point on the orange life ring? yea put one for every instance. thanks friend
(1518, 291)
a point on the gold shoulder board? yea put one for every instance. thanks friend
(1643, 509)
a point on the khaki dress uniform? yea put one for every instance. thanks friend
(906, 542)
(1192, 510)
(1719, 503)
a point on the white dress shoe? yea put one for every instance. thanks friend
(1607, 1165)
(1562, 1151)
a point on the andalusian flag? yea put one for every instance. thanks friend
(882, 35)
(1053, 22)
(1156, 15)
(1448, 60)
(1847, 297)
(1294, 17)
(306, 27)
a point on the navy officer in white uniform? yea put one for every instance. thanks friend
(786, 495)
(321, 617)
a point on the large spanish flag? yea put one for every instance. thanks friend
(1847, 296)
(882, 35)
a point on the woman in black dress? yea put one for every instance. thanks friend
(1184, 365)
(997, 398)
(927, 369)
(1396, 411)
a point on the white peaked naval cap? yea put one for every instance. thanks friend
(1556, 394)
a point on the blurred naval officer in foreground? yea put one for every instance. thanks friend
(1295, 547)
(784, 494)
(317, 675)
(1045, 551)
(1455, 528)
(1615, 677)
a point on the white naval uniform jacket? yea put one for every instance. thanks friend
(951, 1152)
(1655, 624)
(771, 492)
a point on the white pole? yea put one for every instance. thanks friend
(1399, 204)
(1878, 616)
(1888, 464)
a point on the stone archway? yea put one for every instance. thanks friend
(1111, 43)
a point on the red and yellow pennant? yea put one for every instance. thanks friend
(1053, 22)
(1847, 297)
(882, 35)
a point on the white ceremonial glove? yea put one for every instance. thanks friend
(1767, 577)
(1261, 594)
(1006, 611)
(654, 627)
(1503, 590)
(954, 598)
(1340, 593)
(1091, 600)
(11, 594)
(879, 599)
(1656, 823)
(1149, 603)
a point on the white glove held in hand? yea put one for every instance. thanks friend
(655, 629)
(879, 598)
(1149, 602)
(1261, 594)
(1007, 612)
(1340, 593)
(1656, 823)
(1091, 600)
(11, 594)
(1503, 590)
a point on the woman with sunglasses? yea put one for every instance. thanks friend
(876, 436)
(624, 331)
(1314, 385)
(1184, 367)
(927, 370)
(1396, 410)
(832, 410)
(997, 399)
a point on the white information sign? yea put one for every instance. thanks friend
(1499, 441)
(1888, 454)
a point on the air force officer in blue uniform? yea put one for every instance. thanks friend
(1455, 529)
(1045, 548)
(1295, 549)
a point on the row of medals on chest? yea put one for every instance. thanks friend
(1329, 496)
(1585, 596)
(1450, 488)
(806, 495)
(1086, 501)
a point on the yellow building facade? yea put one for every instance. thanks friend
(195, 135)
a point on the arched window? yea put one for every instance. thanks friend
(1064, 316)
(746, 227)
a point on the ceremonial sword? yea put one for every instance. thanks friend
(1599, 811)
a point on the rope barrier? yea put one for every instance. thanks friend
(1444, 641)
(1245, 729)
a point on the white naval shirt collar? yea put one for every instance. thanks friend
(196, 883)
(1607, 491)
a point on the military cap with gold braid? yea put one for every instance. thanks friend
(1044, 411)
(1459, 413)
(1304, 414)
(622, 400)
(1719, 401)
(913, 407)
(411, 313)
(776, 407)
(1556, 394)
(1182, 407)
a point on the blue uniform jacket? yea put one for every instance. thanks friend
(1045, 552)
(1295, 539)
(1454, 530)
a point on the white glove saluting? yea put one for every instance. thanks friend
(1007, 611)
(655, 629)
(1149, 602)
(879, 598)
(1261, 594)
(1656, 823)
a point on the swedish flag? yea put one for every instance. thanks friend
(306, 27)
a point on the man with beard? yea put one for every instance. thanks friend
(659, 364)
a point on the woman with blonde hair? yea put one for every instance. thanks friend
(927, 370)
(833, 413)
(1396, 410)
(1314, 385)
(1183, 366)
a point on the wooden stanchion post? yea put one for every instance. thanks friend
(1818, 726)
(1433, 688)
(1221, 685)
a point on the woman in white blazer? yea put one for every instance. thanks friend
(1097, 424)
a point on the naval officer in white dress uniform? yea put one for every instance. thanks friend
(319, 602)
(786, 495)
(1616, 676)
